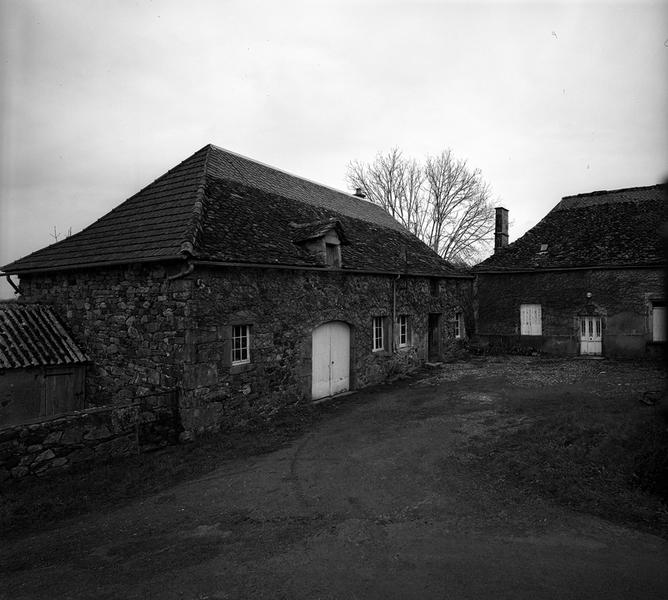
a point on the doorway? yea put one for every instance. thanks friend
(330, 359)
(434, 337)
(590, 336)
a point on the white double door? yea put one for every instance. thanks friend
(590, 335)
(331, 359)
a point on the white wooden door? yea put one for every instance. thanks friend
(330, 359)
(659, 323)
(590, 335)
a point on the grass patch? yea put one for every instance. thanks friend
(600, 453)
(35, 503)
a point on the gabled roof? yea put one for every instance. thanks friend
(304, 232)
(222, 207)
(617, 228)
(32, 336)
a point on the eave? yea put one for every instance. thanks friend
(510, 270)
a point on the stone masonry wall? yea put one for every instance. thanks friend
(146, 333)
(131, 321)
(621, 297)
(282, 308)
(59, 443)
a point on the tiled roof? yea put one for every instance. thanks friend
(316, 229)
(243, 224)
(217, 205)
(599, 229)
(31, 336)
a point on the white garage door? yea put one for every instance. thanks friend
(331, 359)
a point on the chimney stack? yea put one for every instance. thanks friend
(359, 193)
(501, 229)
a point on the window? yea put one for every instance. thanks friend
(531, 319)
(403, 331)
(333, 255)
(378, 337)
(659, 322)
(240, 344)
(458, 323)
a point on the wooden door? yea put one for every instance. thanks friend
(590, 335)
(434, 337)
(330, 359)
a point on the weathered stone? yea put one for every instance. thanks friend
(18, 472)
(27, 459)
(71, 436)
(35, 448)
(98, 433)
(46, 455)
(53, 438)
(80, 455)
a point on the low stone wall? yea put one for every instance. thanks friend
(58, 443)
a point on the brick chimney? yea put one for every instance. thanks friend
(501, 229)
(359, 192)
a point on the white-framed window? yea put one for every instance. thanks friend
(378, 334)
(403, 331)
(240, 344)
(458, 323)
(659, 322)
(531, 320)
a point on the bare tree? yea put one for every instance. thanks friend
(56, 234)
(443, 201)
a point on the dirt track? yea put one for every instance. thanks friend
(376, 502)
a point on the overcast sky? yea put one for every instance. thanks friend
(98, 98)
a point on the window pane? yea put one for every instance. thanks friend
(240, 345)
(403, 330)
(377, 333)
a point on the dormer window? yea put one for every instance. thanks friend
(322, 240)
(333, 254)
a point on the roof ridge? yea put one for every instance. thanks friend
(628, 189)
(190, 243)
(322, 185)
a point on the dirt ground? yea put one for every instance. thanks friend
(377, 501)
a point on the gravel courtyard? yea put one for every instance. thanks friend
(388, 496)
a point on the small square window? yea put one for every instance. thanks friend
(403, 331)
(240, 344)
(378, 334)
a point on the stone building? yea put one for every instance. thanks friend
(243, 288)
(42, 371)
(588, 279)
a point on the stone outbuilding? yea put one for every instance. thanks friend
(588, 279)
(243, 288)
(42, 370)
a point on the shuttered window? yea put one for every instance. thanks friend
(531, 319)
(659, 323)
